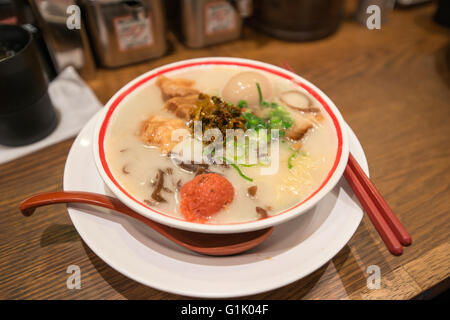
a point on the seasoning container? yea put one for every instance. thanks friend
(208, 22)
(126, 31)
(298, 20)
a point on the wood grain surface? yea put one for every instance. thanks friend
(392, 87)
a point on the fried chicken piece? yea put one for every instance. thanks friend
(157, 131)
(171, 88)
(182, 106)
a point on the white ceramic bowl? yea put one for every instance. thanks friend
(114, 103)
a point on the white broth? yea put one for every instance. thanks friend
(135, 164)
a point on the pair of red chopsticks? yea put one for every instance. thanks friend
(383, 218)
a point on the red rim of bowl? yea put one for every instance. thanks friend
(115, 103)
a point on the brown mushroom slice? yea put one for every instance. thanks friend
(298, 100)
(299, 129)
(125, 169)
(201, 170)
(178, 185)
(167, 190)
(194, 167)
(251, 191)
(262, 213)
(150, 202)
(159, 185)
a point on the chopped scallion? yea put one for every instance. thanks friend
(242, 104)
(238, 170)
(259, 94)
(292, 157)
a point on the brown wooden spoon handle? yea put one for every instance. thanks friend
(43, 199)
(220, 244)
(28, 206)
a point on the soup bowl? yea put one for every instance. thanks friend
(303, 205)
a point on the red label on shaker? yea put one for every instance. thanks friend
(220, 17)
(133, 32)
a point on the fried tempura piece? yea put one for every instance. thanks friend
(182, 106)
(157, 131)
(171, 88)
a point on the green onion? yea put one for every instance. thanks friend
(259, 94)
(249, 165)
(254, 122)
(294, 155)
(242, 104)
(277, 118)
(238, 170)
(292, 158)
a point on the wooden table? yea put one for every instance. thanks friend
(393, 88)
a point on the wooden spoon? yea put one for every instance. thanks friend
(205, 243)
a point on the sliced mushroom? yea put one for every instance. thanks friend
(193, 167)
(251, 191)
(178, 185)
(159, 185)
(150, 202)
(167, 190)
(298, 100)
(262, 213)
(125, 169)
(299, 129)
(201, 170)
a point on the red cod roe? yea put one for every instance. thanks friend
(204, 196)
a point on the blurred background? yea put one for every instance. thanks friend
(96, 35)
(342, 46)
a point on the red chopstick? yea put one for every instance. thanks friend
(390, 229)
(395, 224)
(385, 232)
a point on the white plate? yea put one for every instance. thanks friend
(294, 250)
